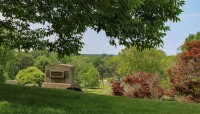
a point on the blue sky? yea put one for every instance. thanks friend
(189, 24)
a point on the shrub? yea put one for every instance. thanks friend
(30, 75)
(143, 85)
(41, 62)
(168, 95)
(185, 76)
(139, 85)
(110, 80)
(2, 78)
(118, 90)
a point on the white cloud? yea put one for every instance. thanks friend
(190, 15)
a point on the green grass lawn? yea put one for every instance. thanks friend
(32, 100)
(104, 89)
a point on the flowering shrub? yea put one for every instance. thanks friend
(185, 76)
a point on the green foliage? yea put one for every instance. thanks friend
(30, 75)
(80, 71)
(132, 60)
(124, 69)
(11, 69)
(112, 64)
(36, 53)
(41, 62)
(7, 57)
(166, 63)
(190, 38)
(93, 78)
(2, 78)
(87, 76)
(139, 23)
(110, 80)
(65, 60)
(83, 63)
(54, 58)
(24, 60)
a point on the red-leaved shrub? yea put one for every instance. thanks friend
(139, 85)
(143, 85)
(169, 93)
(118, 90)
(185, 76)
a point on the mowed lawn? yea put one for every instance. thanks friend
(32, 100)
(104, 89)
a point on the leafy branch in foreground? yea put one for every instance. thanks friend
(138, 23)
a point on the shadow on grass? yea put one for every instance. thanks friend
(31, 100)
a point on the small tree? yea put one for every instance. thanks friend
(30, 75)
(81, 71)
(7, 57)
(41, 62)
(24, 60)
(132, 60)
(2, 78)
(88, 76)
(93, 78)
(185, 76)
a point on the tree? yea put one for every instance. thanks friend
(87, 76)
(134, 61)
(80, 72)
(190, 38)
(93, 78)
(30, 75)
(111, 65)
(139, 23)
(185, 76)
(24, 60)
(54, 58)
(41, 62)
(36, 53)
(166, 63)
(6, 58)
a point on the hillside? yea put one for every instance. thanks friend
(32, 100)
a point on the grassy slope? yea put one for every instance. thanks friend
(30, 100)
(103, 89)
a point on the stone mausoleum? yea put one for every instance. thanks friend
(60, 76)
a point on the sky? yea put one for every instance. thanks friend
(189, 24)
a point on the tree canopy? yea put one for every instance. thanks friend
(134, 61)
(190, 38)
(185, 76)
(139, 23)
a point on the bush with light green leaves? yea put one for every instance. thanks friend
(31, 75)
